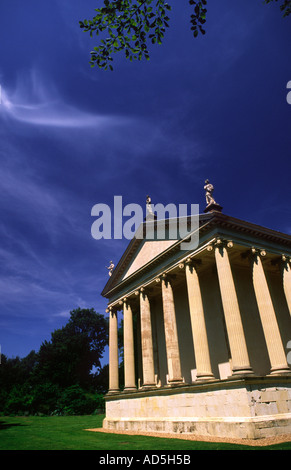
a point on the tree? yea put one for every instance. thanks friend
(74, 349)
(16, 371)
(59, 378)
(100, 379)
(131, 25)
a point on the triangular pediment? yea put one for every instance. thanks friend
(140, 251)
(143, 250)
(148, 250)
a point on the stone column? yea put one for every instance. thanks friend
(146, 340)
(268, 316)
(171, 334)
(287, 280)
(235, 332)
(201, 349)
(113, 352)
(129, 365)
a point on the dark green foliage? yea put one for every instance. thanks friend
(59, 379)
(198, 18)
(74, 349)
(285, 7)
(100, 379)
(131, 25)
(76, 401)
(18, 400)
(16, 371)
(45, 397)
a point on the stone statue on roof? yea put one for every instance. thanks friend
(149, 210)
(149, 204)
(209, 191)
(212, 205)
(110, 268)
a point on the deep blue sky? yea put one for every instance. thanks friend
(71, 136)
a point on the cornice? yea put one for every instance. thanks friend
(207, 222)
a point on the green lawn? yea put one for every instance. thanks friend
(69, 433)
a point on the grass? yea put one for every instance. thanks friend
(69, 433)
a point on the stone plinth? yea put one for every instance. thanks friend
(249, 408)
(213, 207)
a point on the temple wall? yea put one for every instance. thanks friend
(229, 409)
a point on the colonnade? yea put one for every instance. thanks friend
(232, 315)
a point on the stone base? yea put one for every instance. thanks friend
(213, 207)
(239, 428)
(250, 408)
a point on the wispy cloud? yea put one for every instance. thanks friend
(36, 101)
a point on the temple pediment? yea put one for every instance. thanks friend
(146, 253)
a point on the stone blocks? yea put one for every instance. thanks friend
(244, 408)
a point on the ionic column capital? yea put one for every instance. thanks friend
(282, 262)
(112, 310)
(285, 260)
(126, 302)
(139, 291)
(144, 290)
(190, 262)
(220, 242)
(167, 278)
(255, 252)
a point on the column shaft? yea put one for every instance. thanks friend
(129, 365)
(171, 334)
(199, 334)
(268, 318)
(146, 341)
(113, 353)
(236, 337)
(287, 284)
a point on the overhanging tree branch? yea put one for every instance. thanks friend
(130, 25)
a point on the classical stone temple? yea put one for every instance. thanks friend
(206, 332)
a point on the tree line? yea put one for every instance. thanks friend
(65, 376)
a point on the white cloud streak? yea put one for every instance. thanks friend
(37, 102)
